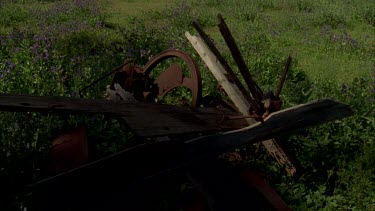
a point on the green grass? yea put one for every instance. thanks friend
(297, 26)
(121, 11)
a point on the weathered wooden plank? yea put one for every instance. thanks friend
(144, 119)
(221, 74)
(279, 123)
(228, 70)
(235, 94)
(154, 158)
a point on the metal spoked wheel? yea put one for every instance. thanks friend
(174, 76)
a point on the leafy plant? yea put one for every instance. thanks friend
(330, 15)
(12, 14)
(368, 14)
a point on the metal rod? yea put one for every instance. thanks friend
(104, 76)
(283, 77)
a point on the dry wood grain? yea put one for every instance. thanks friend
(144, 119)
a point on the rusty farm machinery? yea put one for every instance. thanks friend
(176, 140)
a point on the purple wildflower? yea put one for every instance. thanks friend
(142, 52)
(12, 65)
(129, 54)
(98, 24)
(73, 94)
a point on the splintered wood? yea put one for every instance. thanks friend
(235, 94)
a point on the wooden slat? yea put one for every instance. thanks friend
(279, 123)
(219, 71)
(144, 119)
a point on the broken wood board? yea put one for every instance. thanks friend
(145, 120)
(221, 75)
(155, 158)
(236, 95)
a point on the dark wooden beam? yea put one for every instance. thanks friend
(277, 124)
(255, 91)
(144, 119)
(155, 158)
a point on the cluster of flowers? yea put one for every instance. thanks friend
(32, 51)
(344, 40)
(68, 17)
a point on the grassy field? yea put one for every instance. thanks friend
(121, 12)
(330, 45)
(57, 47)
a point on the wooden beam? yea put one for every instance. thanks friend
(256, 92)
(221, 74)
(155, 158)
(144, 119)
(237, 97)
(228, 70)
(279, 123)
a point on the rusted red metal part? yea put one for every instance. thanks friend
(137, 81)
(131, 79)
(198, 203)
(174, 77)
(251, 179)
(272, 197)
(69, 150)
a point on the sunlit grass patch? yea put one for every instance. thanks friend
(121, 11)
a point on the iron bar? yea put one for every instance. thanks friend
(102, 77)
(283, 77)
